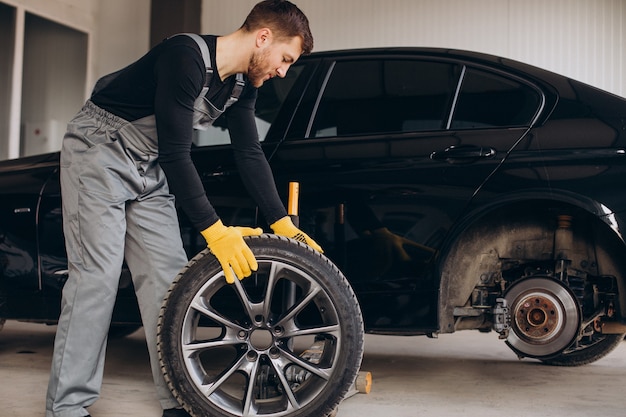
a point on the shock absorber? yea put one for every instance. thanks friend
(563, 245)
(563, 249)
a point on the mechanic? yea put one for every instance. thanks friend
(122, 156)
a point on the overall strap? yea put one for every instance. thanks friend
(239, 84)
(204, 49)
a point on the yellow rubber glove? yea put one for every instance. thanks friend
(228, 246)
(285, 227)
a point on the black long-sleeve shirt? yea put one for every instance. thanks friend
(165, 82)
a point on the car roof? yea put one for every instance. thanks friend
(446, 53)
(565, 87)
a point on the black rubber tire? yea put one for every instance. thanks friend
(332, 301)
(602, 346)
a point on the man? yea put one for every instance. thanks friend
(123, 154)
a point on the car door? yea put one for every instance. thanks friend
(21, 182)
(398, 142)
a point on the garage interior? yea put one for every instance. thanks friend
(52, 51)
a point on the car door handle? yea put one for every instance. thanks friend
(457, 154)
(217, 174)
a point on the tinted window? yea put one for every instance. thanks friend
(489, 100)
(368, 97)
(269, 101)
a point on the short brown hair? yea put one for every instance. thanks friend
(282, 17)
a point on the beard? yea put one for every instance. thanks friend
(256, 69)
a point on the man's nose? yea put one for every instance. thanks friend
(282, 70)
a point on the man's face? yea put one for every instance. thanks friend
(273, 59)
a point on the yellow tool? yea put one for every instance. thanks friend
(363, 382)
(294, 196)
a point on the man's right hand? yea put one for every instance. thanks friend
(285, 227)
(228, 246)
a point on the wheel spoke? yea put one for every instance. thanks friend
(291, 358)
(249, 408)
(261, 309)
(331, 329)
(269, 291)
(299, 306)
(191, 349)
(243, 297)
(240, 365)
(200, 307)
(280, 365)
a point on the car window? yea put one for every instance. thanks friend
(489, 100)
(385, 96)
(269, 101)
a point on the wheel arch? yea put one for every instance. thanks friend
(521, 226)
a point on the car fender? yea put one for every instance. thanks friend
(469, 246)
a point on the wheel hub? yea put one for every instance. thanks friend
(261, 339)
(545, 317)
(536, 317)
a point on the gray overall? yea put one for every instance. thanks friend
(116, 207)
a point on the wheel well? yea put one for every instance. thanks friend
(526, 233)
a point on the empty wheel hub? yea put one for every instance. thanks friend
(536, 317)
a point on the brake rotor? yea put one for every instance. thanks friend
(545, 317)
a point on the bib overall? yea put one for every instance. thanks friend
(116, 207)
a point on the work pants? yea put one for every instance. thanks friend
(116, 207)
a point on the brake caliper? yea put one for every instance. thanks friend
(501, 318)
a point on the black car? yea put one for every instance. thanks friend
(455, 190)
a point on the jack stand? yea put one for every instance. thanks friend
(362, 385)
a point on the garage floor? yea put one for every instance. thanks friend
(462, 374)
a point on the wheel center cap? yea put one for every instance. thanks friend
(261, 339)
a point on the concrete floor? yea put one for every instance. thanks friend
(462, 374)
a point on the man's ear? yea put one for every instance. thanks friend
(263, 37)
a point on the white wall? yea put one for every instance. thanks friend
(54, 73)
(583, 39)
(123, 33)
(117, 32)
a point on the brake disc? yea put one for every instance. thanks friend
(545, 317)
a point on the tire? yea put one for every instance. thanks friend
(590, 349)
(238, 350)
